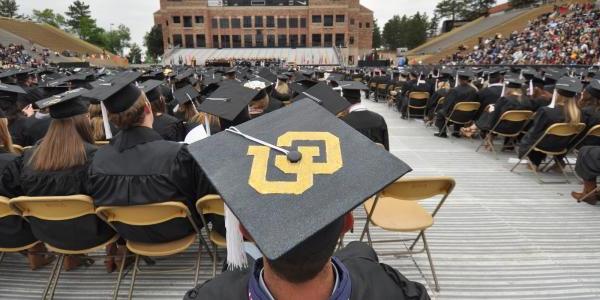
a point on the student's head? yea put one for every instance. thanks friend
(188, 111)
(138, 114)
(259, 103)
(571, 111)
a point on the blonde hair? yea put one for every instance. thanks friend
(570, 109)
(97, 123)
(282, 88)
(5, 138)
(131, 117)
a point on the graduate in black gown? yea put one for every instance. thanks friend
(441, 89)
(563, 110)
(13, 108)
(169, 127)
(297, 232)
(588, 168)
(57, 166)
(262, 104)
(140, 167)
(590, 107)
(463, 92)
(369, 123)
(415, 84)
(490, 94)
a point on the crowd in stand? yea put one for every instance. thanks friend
(566, 36)
(16, 55)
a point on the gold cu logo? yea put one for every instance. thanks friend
(305, 169)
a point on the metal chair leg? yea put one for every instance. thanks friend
(437, 287)
(215, 258)
(52, 273)
(120, 276)
(133, 276)
(54, 282)
(2, 256)
(198, 264)
(416, 241)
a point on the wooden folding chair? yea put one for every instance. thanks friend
(417, 101)
(212, 204)
(396, 209)
(59, 208)
(564, 133)
(7, 212)
(381, 91)
(441, 101)
(592, 133)
(517, 118)
(147, 215)
(462, 113)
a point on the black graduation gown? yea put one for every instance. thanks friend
(169, 127)
(432, 102)
(488, 119)
(544, 118)
(35, 130)
(591, 118)
(370, 124)
(461, 93)
(139, 167)
(487, 96)
(80, 233)
(588, 163)
(410, 87)
(370, 279)
(17, 130)
(14, 230)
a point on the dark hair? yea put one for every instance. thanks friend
(131, 117)
(308, 258)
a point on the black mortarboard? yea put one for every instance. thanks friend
(283, 78)
(268, 75)
(280, 203)
(514, 83)
(568, 87)
(322, 94)
(302, 85)
(13, 72)
(150, 87)
(65, 105)
(119, 94)
(11, 89)
(594, 88)
(2, 114)
(228, 101)
(229, 71)
(185, 94)
(184, 75)
(351, 90)
(465, 74)
(538, 80)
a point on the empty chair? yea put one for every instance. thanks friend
(417, 101)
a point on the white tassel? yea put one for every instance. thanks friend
(554, 96)
(456, 81)
(236, 257)
(503, 89)
(436, 84)
(206, 124)
(107, 131)
(530, 90)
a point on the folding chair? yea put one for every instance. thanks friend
(563, 134)
(517, 118)
(463, 113)
(592, 134)
(59, 208)
(441, 101)
(373, 90)
(417, 101)
(147, 215)
(6, 214)
(396, 209)
(212, 204)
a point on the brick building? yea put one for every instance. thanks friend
(267, 24)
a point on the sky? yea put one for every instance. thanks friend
(137, 14)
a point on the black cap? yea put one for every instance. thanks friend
(514, 83)
(283, 203)
(538, 80)
(2, 114)
(322, 94)
(185, 94)
(302, 85)
(465, 74)
(228, 101)
(268, 75)
(150, 87)
(119, 94)
(65, 105)
(568, 87)
(283, 78)
(351, 90)
(11, 89)
(14, 72)
(594, 88)
(184, 74)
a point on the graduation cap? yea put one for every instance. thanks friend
(465, 74)
(119, 94)
(11, 89)
(150, 88)
(302, 85)
(514, 83)
(322, 94)
(268, 75)
(185, 94)
(65, 105)
(351, 90)
(568, 87)
(594, 88)
(283, 78)
(184, 75)
(14, 72)
(287, 182)
(228, 101)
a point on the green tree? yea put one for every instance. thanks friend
(153, 40)
(118, 39)
(49, 17)
(405, 31)
(450, 9)
(392, 35)
(135, 54)
(376, 35)
(521, 3)
(79, 13)
(433, 26)
(476, 8)
(8, 8)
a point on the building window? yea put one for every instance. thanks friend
(367, 24)
(235, 23)
(282, 41)
(271, 41)
(328, 20)
(167, 22)
(359, 24)
(270, 22)
(340, 40)
(248, 41)
(236, 41)
(281, 23)
(189, 41)
(302, 41)
(258, 22)
(247, 22)
(351, 40)
(302, 22)
(294, 22)
(316, 18)
(260, 41)
(200, 41)
(316, 40)
(176, 19)
(199, 19)
(328, 40)
(293, 40)
(224, 22)
(340, 18)
(187, 21)
(351, 21)
(226, 41)
(216, 43)
(215, 23)
(177, 42)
